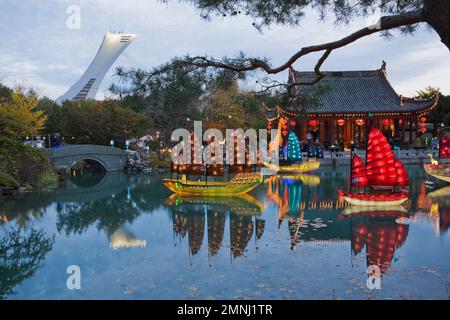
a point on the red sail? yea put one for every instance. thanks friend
(380, 165)
(359, 173)
(402, 175)
(444, 145)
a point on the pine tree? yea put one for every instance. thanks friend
(294, 148)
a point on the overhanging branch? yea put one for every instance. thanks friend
(251, 64)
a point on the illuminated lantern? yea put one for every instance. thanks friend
(340, 122)
(423, 130)
(284, 132)
(400, 121)
(423, 119)
(385, 122)
(423, 125)
(284, 127)
(313, 123)
(293, 123)
(359, 122)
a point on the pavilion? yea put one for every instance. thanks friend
(348, 104)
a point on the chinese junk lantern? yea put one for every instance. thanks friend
(340, 122)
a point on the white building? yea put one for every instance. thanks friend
(87, 87)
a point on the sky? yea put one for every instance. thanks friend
(40, 50)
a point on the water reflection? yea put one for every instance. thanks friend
(295, 218)
(190, 214)
(21, 254)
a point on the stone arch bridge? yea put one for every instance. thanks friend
(110, 158)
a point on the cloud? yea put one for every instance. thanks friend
(38, 48)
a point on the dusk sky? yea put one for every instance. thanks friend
(39, 50)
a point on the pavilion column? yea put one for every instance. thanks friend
(304, 129)
(410, 131)
(331, 131)
(403, 130)
(322, 131)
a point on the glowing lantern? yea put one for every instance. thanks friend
(313, 123)
(340, 122)
(423, 130)
(293, 123)
(385, 122)
(423, 125)
(284, 132)
(423, 119)
(359, 122)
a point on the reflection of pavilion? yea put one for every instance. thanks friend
(191, 214)
(312, 221)
(122, 238)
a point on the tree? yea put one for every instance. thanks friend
(294, 148)
(404, 15)
(98, 122)
(441, 113)
(19, 116)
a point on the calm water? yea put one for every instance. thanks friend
(289, 240)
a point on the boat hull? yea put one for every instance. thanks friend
(375, 201)
(238, 186)
(441, 172)
(303, 167)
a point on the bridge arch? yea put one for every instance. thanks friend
(89, 159)
(110, 158)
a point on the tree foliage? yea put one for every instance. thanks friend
(441, 113)
(19, 116)
(97, 122)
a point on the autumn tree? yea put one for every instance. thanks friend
(19, 116)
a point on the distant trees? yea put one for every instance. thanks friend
(440, 114)
(97, 122)
(175, 96)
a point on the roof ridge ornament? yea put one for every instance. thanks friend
(383, 68)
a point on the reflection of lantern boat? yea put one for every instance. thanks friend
(243, 204)
(303, 167)
(240, 184)
(441, 171)
(381, 170)
(189, 219)
(306, 179)
(379, 232)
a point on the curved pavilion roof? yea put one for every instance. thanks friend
(353, 93)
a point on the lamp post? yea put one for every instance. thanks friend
(127, 144)
(111, 143)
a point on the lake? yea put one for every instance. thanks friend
(291, 238)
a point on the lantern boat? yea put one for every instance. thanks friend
(436, 169)
(239, 185)
(382, 173)
(303, 167)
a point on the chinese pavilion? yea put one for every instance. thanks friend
(350, 103)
